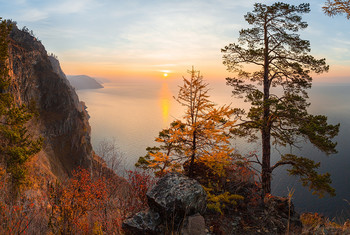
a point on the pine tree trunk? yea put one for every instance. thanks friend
(266, 141)
(265, 129)
(266, 144)
(266, 170)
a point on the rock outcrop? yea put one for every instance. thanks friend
(178, 205)
(173, 200)
(37, 80)
(144, 222)
(177, 194)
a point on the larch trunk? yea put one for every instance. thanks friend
(193, 155)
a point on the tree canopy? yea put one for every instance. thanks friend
(337, 7)
(277, 91)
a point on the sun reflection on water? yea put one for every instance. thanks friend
(165, 98)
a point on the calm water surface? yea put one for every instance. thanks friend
(134, 112)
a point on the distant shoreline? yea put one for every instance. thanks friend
(84, 82)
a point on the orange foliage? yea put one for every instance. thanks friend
(15, 219)
(83, 204)
(242, 175)
(15, 215)
(135, 200)
(71, 202)
(140, 183)
(202, 136)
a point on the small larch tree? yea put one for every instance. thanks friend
(168, 155)
(202, 136)
(277, 92)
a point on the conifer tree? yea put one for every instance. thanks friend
(166, 157)
(280, 59)
(201, 136)
(337, 7)
(16, 145)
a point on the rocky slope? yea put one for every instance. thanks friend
(63, 121)
(178, 205)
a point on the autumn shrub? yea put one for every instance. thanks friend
(85, 204)
(125, 197)
(311, 221)
(217, 202)
(242, 178)
(16, 218)
(16, 213)
(74, 201)
(140, 182)
(111, 212)
(136, 200)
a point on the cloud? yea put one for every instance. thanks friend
(343, 42)
(176, 31)
(38, 11)
(32, 15)
(71, 7)
(156, 32)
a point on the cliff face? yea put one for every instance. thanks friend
(63, 120)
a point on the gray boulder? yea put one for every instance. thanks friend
(172, 199)
(144, 222)
(177, 195)
(194, 225)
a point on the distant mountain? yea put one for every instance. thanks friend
(102, 80)
(81, 82)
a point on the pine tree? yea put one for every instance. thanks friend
(280, 57)
(17, 146)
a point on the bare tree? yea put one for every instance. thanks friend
(109, 151)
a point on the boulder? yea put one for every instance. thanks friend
(175, 203)
(144, 222)
(194, 225)
(177, 195)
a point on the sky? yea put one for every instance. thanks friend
(119, 39)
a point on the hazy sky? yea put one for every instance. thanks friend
(142, 39)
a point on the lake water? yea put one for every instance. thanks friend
(133, 113)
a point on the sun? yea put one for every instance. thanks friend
(165, 75)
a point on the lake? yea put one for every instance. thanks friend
(133, 112)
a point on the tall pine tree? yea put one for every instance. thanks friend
(281, 59)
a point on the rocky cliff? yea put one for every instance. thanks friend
(63, 121)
